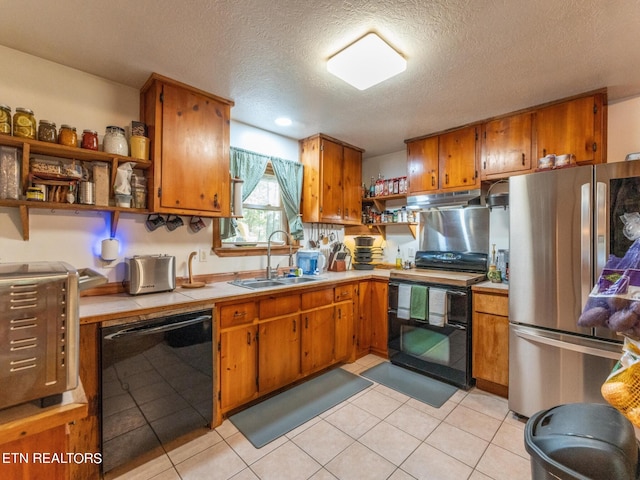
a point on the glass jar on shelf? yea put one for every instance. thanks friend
(5, 119)
(24, 123)
(67, 136)
(47, 131)
(89, 139)
(115, 141)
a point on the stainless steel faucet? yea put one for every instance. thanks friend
(269, 271)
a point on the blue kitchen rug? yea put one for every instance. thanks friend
(415, 385)
(272, 418)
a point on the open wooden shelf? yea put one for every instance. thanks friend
(30, 147)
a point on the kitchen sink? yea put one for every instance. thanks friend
(257, 283)
(295, 280)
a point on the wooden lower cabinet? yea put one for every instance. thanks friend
(33, 447)
(318, 336)
(274, 340)
(238, 366)
(371, 327)
(490, 342)
(278, 352)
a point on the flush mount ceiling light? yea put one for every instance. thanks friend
(283, 121)
(366, 62)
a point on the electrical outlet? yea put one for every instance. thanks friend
(202, 255)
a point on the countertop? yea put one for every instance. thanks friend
(490, 287)
(123, 306)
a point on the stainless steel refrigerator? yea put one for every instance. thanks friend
(563, 226)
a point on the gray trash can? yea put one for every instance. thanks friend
(583, 441)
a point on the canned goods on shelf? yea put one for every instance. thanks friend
(24, 123)
(68, 136)
(35, 193)
(47, 131)
(5, 119)
(89, 139)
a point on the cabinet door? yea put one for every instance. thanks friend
(238, 366)
(318, 337)
(363, 340)
(331, 204)
(379, 323)
(278, 353)
(457, 159)
(506, 146)
(491, 348)
(352, 176)
(574, 127)
(195, 152)
(344, 339)
(422, 165)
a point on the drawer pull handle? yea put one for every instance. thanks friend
(248, 338)
(239, 314)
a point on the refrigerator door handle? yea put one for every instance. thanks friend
(540, 337)
(602, 217)
(585, 242)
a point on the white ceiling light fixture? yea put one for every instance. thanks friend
(367, 62)
(283, 121)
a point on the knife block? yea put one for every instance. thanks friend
(339, 266)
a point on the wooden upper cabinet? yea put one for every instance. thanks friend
(506, 146)
(331, 190)
(575, 126)
(422, 165)
(457, 154)
(189, 132)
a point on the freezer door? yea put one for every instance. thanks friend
(550, 225)
(548, 369)
(616, 186)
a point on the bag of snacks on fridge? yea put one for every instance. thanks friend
(614, 301)
(622, 388)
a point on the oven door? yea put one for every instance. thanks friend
(439, 351)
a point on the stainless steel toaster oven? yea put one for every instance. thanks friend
(39, 332)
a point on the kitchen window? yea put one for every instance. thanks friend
(271, 201)
(262, 213)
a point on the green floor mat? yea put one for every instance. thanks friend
(415, 385)
(268, 420)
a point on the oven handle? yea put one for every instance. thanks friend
(155, 328)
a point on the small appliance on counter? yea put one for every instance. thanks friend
(312, 262)
(40, 332)
(149, 274)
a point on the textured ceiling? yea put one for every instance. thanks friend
(467, 60)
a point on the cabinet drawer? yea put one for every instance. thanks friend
(237, 314)
(275, 306)
(495, 304)
(343, 292)
(317, 299)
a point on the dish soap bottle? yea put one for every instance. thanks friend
(398, 260)
(494, 274)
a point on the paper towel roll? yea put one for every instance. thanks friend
(237, 197)
(110, 247)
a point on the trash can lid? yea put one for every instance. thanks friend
(583, 441)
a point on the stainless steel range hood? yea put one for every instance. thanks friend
(448, 199)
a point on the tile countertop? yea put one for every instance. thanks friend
(123, 306)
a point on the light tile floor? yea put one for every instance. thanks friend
(376, 434)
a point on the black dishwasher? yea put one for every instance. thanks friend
(157, 384)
